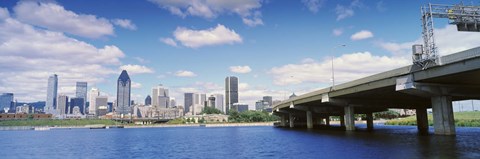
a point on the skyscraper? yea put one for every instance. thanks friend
(148, 100)
(123, 93)
(81, 92)
(6, 102)
(219, 102)
(231, 92)
(160, 97)
(51, 103)
(62, 107)
(188, 102)
(94, 93)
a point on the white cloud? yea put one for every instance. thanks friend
(443, 39)
(183, 73)
(136, 85)
(125, 23)
(347, 11)
(169, 41)
(55, 17)
(211, 9)
(364, 34)
(212, 36)
(253, 20)
(337, 31)
(136, 69)
(240, 69)
(347, 67)
(313, 5)
(4, 14)
(28, 55)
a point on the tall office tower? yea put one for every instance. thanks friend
(188, 102)
(211, 101)
(62, 104)
(268, 99)
(101, 101)
(160, 97)
(77, 102)
(81, 92)
(231, 92)
(203, 99)
(94, 93)
(123, 93)
(219, 102)
(6, 102)
(51, 103)
(148, 100)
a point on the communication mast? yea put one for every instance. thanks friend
(466, 18)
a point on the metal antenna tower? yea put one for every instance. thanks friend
(466, 18)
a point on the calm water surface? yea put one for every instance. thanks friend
(238, 142)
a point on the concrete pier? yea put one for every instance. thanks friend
(327, 121)
(370, 121)
(443, 121)
(422, 121)
(283, 121)
(309, 120)
(349, 118)
(290, 119)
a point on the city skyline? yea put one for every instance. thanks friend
(268, 53)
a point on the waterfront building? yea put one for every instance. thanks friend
(148, 100)
(240, 107)
(160, 97)
(261, 105)
(81, 92)
(188, 102)
(102, 110)
(268, 99)
(94, 93)
(211, 101)
(51, 102)
(219, 102)
(62, 104)
(123, 94)
(76, 110)
(24, 109)
(231, 92)
(101, 101)
(173, 102)
(77, 102)
(6, 102)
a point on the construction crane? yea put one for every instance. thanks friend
(465, 17)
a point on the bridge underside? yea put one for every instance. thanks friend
(404, 88)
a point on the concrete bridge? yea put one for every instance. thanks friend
(456, 78)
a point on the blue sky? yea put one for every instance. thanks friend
(275, 47)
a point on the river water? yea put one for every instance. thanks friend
(239, 142)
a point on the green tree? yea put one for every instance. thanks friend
(211, 110)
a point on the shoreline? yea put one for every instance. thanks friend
(13, 128)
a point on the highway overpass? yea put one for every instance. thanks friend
(457, 77)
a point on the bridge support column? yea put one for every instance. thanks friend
(283, 121)
(369, 121)
(422, 121)
(349, 118)
(327, 121)
(342, 121)
(290, 119)
(309, 120)
(443, 122)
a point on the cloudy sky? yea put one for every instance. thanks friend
(275, 47)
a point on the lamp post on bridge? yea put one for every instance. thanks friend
(333, 57)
